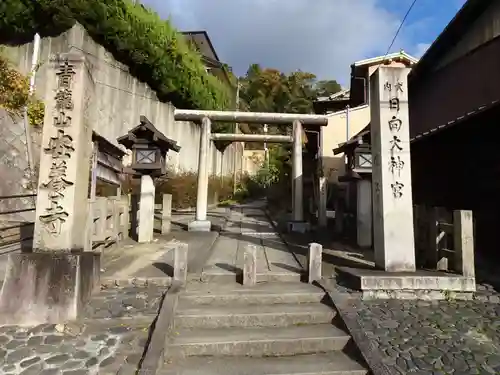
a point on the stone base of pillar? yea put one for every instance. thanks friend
(200, 226)
(298, 226)
(47, 287)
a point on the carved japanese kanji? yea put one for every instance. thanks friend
(60, 149)
(64, 100)
(396, 165)
(395, 124)
(62, 120)
(61, 146)
(54, 217)
(65, 74)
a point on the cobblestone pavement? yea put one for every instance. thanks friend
(109, 338)
(433, 337)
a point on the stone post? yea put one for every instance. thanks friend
(115, 218)
(90, 226)
(323, 195)
(166, 214)
(201, 224)
(314, 262)
(56, 280)
(364, 213)
(181, 262)
(250, 265)
(93, 174)
(66, 151)
(101, 205)
(432, 248)
(125, 219)
(463, 227)
(297, 177)
(392, 191)
(146, 210)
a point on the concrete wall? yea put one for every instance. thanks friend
(121, 99)
(14, 167)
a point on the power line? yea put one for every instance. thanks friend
(399, 28)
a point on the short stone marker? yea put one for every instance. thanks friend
(464, 242)
(166, 214)
(314, 261)
(180, 262)
(250, 266)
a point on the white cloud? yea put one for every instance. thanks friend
(420, 49)
(320, 36)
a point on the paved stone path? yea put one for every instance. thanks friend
(248, 225)
(438, 337)
(109, 339)
(419, 337)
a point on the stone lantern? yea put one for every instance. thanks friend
(149, 149)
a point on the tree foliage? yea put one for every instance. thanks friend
(327, 87)
(15, 96)
(136, 36)
(269, 90)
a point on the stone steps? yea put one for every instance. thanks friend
(257, 342)
(334, 363)
(230, 276)
(266, 329)
(274, 315)
(261, 294)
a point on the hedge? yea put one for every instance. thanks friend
(155, 52)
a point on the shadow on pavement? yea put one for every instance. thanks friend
(167, 269)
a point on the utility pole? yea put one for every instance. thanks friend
(266, 150)
(236, 131)
(27, 125)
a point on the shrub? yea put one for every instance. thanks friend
(14, 94)
(136, 36)
(184, 188)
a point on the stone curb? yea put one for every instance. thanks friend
(154, 356)
(138, 282)
(191, 209)
(369, 351)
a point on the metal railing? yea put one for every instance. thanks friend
(20, 231)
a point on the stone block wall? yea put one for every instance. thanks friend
(120, 99)
(15, 179)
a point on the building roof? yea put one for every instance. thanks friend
(205, 47)
(148, 130)
(363, 136)
(391, 56)
(458, 120)
(341, 95)
(203, 42)
(457, 27)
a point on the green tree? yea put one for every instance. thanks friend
(327, 87)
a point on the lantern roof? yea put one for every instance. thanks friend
(147, 133)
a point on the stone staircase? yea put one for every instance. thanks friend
(271, 328)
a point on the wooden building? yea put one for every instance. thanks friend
(454, 115)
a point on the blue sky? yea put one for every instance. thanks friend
(424, 23)
(320, 36)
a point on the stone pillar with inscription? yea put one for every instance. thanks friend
(391, 174)
(53, 282)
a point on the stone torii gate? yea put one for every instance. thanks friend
(206, 117)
